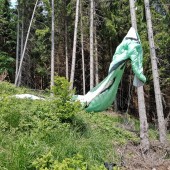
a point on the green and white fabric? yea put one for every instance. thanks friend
(102, 96)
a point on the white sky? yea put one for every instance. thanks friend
(13, 2)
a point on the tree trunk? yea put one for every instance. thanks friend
(74, 46)
(158, 98)
(17, 48)
(66, 51)
(91, 44)
(115, 105)
(141, 100)
(96, 50)
(52, 44)
(25, 45)
(66, 41)
(82, 48)
(22, 45)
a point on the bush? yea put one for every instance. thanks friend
(47, 162)
(6, 62)
(61, 88)
(25, 114)
(10, 89)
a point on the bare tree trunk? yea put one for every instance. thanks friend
(17, 48)
(141, 100)
(91, 44)
(96, 50)
(22, 45)
(74, 46)
(158, 98)
(82, 48)
(22, 57)
(52, 44)
(96, 59)
(115, 105)
(66, 50)
(66, 41)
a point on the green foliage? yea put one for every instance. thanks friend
(61, 88)
(30, 129)
(26, 115)
(110, 27)
(42, 32)
(47, 162)
(6, 63)
(10, 89)
(109, 125)
(7, 34)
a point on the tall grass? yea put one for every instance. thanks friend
(30, 129)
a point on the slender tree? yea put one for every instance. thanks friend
(91, 44)
(158, 98)
(52, 44)
(74, 45)
(66, 40)
(18, 33)
(141, 100)
(82, 47)
(22, 41)
(96, 47)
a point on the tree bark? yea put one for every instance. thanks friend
(141, 100)
(82, 48)
(52, 45)
(66, 42)
(158, 97)
(96, 49)
(22, 45)
(74, 46)
(115, 105)
(91, 44)
(18, 35)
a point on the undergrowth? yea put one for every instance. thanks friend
(56, 133)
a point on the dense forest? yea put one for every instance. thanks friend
(43, 41)
(110, 25)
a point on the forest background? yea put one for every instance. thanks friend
(111, 23)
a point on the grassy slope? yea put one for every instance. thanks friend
(95, 136)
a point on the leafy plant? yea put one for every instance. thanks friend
(47, 162)
(61, 88)
(31, 128)
(5, 62)
(10, 89)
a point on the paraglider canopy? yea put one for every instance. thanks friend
(102, 96)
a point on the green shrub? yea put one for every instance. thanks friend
(6, 62)
(10, 89)
(25, 114)
(77, 162)
(61, 88)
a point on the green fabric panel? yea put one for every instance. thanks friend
(135, 53)
(106, 98)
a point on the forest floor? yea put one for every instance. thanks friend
(155, 159)
(132, 157)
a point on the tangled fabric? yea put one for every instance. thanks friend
(102, 96)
